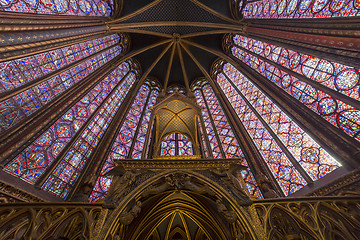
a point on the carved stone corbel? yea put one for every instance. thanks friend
(127, 217)
(229, 215)
(230, 177)
(122, 180)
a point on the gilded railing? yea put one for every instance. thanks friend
(48, 220)
(322, 218)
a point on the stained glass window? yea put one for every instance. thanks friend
(334, 76)
(209, 128)
(284, 172)
(124, 145)
(203, 142)
(69, 168)
(31, 163)
(313, 158)
(176, 144)
(220, 135)
(302, 9)
(99, 8)
(339, 77)
(144, 127)
(18, 72)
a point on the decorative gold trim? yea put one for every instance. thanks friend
(179, 157)
(193, 162)
(18, 27)
(339, 185)
(17, 193)
(46, 42)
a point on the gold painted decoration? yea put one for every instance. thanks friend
(177, 163)
(38, 221)
(179, 157)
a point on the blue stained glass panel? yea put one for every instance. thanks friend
(34, 98)
(100, 8)
(124, 140)
(314, 159)
(301, 9)
(227, 139)
(31, 163)
(70, 167)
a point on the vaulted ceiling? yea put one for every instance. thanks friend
(175, 41)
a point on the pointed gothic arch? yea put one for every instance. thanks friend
(199, 198)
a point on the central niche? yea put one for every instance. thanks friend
(176, 118)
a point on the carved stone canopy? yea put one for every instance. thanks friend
(176, 113)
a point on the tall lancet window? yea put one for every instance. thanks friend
(302, 9)
(219, 137)
(130, 138)
(176, 144)
(320, 79)
(100, 8)
(74, 136)
(292, 156)
(32, 82)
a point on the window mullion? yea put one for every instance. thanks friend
(51, 168)
(305, 79)
(273, 135)
(139, 124)
(213, 125)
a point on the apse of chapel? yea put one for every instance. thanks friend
(189, 119)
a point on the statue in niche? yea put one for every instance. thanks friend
(197, 188)
(127, 217)
(82, 195)
(178, 181)
(121, 181)
(267, 190)
(230, 178)
(229, 215)
(175, 180)
(152, 190)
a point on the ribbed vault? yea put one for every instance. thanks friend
(178, 44)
